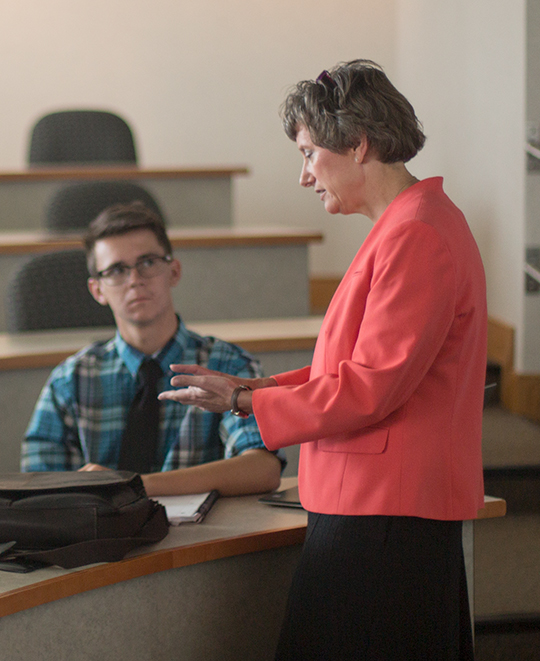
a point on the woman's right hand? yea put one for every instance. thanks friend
(208, 389)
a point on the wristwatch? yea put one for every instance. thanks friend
(234, 402)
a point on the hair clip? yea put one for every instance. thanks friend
(325, 78)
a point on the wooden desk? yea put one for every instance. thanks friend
(200, 196)
(29, 242)
(210, 591)
(47, 348)
(214, 591)
(227, 272)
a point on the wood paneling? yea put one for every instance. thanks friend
(519, 393)
(321, 292)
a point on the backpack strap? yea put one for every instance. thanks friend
(89, 552)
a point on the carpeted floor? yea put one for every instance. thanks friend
(507, 550)
(507, 565)
(509, 440)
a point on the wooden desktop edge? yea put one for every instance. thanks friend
(38, 349)
(14, 243)
(115, 171)
(31, 360)
(105, 574)
(493, 508)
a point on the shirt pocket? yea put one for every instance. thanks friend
(372, 440)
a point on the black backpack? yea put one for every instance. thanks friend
(74, 518)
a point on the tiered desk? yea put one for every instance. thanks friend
(227, 272)
(199, 197)
(214, 591)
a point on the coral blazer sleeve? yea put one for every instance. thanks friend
(389, 415)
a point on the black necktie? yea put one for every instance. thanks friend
(140, 438)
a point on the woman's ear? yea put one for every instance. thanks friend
(361, 151)
(95, 289)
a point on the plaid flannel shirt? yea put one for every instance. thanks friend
(82, 410)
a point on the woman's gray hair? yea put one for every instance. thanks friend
(350, 101)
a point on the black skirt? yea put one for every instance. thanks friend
(378, 588)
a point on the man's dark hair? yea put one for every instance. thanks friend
(121, 219)
(353, 100)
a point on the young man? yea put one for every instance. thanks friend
(82, 416)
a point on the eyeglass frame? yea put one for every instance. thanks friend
(102, 275)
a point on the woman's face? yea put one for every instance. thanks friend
(336, 178)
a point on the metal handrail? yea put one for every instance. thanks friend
(532, 271)
(532, 150)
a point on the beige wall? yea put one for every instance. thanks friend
(463, 63)
(200, 80)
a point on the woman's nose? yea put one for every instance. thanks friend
(306, 178)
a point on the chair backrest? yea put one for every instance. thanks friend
(81, 136)
(49, 291)
(73, 207)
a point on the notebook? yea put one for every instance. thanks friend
(188, 508)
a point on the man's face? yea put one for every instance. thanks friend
(137, 301)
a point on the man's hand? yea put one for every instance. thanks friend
(93, 467)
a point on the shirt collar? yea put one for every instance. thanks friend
(172, 352)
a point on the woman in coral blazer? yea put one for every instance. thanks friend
(389, 413)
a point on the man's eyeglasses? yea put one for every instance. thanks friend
(146, 267)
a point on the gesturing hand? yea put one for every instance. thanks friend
(207, 389)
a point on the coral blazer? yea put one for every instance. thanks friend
(389, 414)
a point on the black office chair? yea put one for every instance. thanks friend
(81, 136)
(74, 206)
(49, 292)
